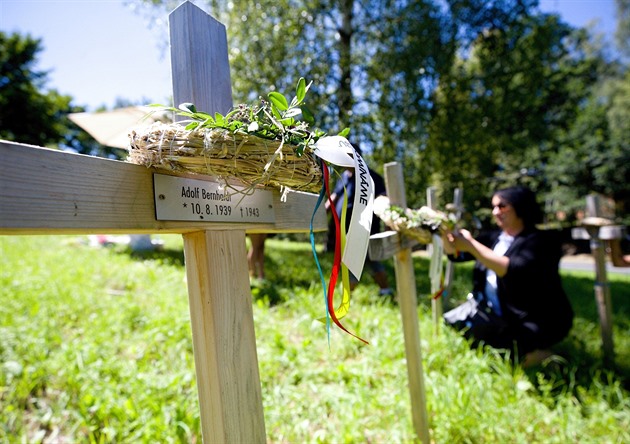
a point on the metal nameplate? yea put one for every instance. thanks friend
(180, 198)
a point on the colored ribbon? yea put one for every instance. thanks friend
(337, 265)
(322, 194)
(340, 239)
(343, 308)
(338, 151)
(441, 291)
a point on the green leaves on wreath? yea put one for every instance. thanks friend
(273, 119)
(287, 112)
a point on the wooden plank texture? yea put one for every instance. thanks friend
(386, 244)
(199, 60)
(449, 272)
(607, 232)
(45, 191)
(596, 209)
(408, 302)
(436, 304)
(224, 342)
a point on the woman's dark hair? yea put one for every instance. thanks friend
(524, 202)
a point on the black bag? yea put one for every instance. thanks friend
(476, 316)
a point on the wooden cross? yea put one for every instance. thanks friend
(437, 309)
(44, 191)
(450, 266)
(597, 228)
(383, 246)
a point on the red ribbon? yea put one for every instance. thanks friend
(337, 260)
(440, 291)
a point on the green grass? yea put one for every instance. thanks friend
(95, 346)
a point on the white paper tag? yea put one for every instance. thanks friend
(338, 151)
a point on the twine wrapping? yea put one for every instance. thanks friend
(419, 224)
(218, 152)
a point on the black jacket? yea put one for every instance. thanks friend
(531, 295)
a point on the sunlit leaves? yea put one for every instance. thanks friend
(275, 119)
(279, 101)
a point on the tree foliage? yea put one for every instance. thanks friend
(374, 63)
(498, 113)
(470, 93)
(594, 155)
(27, 114)
(30, 112)
(622, 34)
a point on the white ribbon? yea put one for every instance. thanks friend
(338, 151)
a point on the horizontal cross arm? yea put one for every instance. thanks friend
(607, 232)
(387, 244)
(46, 191)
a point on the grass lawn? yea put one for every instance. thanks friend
(95, 346)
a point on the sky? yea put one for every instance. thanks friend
(99, 50)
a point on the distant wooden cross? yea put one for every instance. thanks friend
(45, 191)
(598, 228)
(435, 267)
(450, 266)
(383, 246)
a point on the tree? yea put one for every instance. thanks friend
(498, 113)
(622, 34)
(27, 114)
(598, 146)
(374, 63)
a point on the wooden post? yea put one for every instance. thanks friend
(393, 243)
(594, 225)
(598, 235)
(224, 340)
(436, 303)
(602, 293)
(450, 266)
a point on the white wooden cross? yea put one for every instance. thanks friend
(598, 229)
(450, 266)
(45, 191)
(435, 251)
(388, 244)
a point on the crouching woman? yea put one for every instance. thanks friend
(517, 302)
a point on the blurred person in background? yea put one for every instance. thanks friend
(519, 303)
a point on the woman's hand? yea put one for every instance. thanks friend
(447, 243)
(456, 241)
(463, 241)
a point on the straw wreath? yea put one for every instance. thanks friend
(262, 146)
(419, 224)
(219, 152)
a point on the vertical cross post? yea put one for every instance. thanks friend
(223, 333)
(436, 303)
(408, 302)
(594, 223)
(450, 266)
(602, 293)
